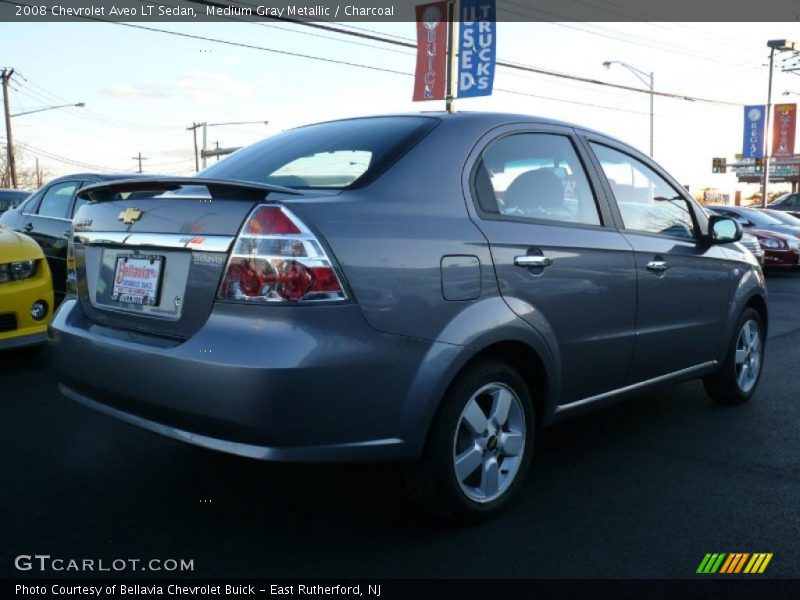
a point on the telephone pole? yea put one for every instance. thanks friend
(139, 158)
(12, 167)
(193, 129)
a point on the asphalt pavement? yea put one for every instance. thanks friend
(643, 489)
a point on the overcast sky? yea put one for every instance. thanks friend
(143, 88)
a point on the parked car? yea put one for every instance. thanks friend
(26, 291)
(781, 251)
(755, 218)
(751, 242)
(11, 198)
(784, 217)
(329, 295)
(47, 217)
(787, 203)
(748, 240)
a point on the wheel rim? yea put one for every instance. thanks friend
(748, 356)
(489, 442)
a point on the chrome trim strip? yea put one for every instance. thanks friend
(630, 388)
(201, 243)
(65, 220)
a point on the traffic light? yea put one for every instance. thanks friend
(719, 165)
(759, 165)
(715, 165)
(723, 165)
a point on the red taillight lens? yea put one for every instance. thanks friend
(276, 258)
(268, 220)
(295, 280)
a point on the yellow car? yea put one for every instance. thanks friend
(26, 291)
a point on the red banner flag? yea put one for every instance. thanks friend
(783, 129)
(429, 80)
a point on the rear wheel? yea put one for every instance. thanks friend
(738, 378)
(479, 447)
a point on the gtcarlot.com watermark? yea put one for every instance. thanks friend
(45, 563)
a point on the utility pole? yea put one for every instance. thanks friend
(12, 166)
(216, 144)
(38, 174)
(140, 158)
(205, 142)
(193, 129)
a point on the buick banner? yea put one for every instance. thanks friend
(429, 79)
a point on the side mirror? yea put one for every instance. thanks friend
(723, 230)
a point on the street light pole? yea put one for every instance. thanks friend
(767, 133)
(780, 46)
(648, 80)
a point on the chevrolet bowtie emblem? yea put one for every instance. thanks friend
(129, 215)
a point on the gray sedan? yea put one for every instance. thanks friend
(426, 288)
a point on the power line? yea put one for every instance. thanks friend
(507, 64)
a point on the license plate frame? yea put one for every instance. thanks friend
(132, 295)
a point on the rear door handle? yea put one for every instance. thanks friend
(533, 261)
(28, 227)
(659, 266)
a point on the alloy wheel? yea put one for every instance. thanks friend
(489, 442)
(748, 356)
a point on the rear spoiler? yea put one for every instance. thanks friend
(219, 189)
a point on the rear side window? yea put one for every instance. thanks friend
(56, 200)
(535, 176)
(339, 154)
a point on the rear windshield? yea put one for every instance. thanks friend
(339, 154)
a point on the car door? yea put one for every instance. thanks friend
(683, 283)
(560, 263)
(49, 224)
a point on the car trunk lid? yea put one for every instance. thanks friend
(149, 254)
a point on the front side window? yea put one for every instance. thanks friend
(646, 201)
(56, 200)
(535, 176)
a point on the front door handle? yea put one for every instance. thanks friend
(533, 261)
(67, 233)
(659, 266)
(28, 227)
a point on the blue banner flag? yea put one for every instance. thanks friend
(477, 48)
(753, 142)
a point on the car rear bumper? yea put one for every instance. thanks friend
(254, 381)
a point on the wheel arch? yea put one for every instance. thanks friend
(520, 347)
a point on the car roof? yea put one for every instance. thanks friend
(485, 118)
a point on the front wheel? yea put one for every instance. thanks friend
(479, 447)
(736, 381)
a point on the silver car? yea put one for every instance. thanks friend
(427, 288)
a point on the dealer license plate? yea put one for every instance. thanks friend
(137, 279)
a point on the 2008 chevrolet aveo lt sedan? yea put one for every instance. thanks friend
(427, 288)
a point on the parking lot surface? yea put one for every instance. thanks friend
(643, 489)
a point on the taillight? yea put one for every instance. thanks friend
(276, 258)
(72, 274)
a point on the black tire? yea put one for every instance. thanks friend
(723, 386)
(433, 481)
